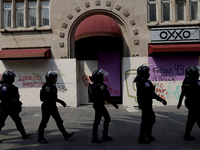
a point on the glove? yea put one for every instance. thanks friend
(164, 102)
(115, 105)
(179, 106)
(62, 103)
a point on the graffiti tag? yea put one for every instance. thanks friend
(62, 88)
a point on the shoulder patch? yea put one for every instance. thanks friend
(198, 83)
(147, 84)
(4, 88)
(47, 88)
(102, 87)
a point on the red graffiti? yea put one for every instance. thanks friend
(111, 90)
(33, 84)
(160, 90)
(87, 80)
(31, 81)
(29, 78)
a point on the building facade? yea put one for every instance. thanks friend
(77, 37)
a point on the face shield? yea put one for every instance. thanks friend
(105, 73)
(198, 68)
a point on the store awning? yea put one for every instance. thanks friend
(25, 53)
(98, 25)
(155, 49)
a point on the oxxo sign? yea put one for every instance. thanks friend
(175, 34)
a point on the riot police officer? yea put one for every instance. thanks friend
(190, 89)
(145, 94)
(98, 94)
(48, 95)
(10, 104)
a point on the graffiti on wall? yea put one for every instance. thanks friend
(170, 68)
(62, 88)
(162, 89)
(86, 80)
(34, 81)
(163, 69)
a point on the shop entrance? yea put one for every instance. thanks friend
(98, 45)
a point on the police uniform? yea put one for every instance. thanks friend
(11, 106)
(98, 94)
(145, 94)
(190, 89)
(48, 96)
(101, 94)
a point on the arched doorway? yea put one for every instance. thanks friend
(98, 43)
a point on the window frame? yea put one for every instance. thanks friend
(184, 17)
(31, 8)
(44, 7)
(22, 8)
(4, 9)
(191, 11)
(149, 3)
(170, 14)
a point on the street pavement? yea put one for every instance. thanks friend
(124, 128)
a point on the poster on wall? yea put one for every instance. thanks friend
(170, 68)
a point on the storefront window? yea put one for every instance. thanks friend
(32, 13)
(180, 10)
(19, 14)
(45, 13)
(194, 5)
(7, 14)
(166, 9)
(152, 10)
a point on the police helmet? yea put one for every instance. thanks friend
(142, 72)
(97, 75)
(8, 76)
(51, 75)
(192, 72)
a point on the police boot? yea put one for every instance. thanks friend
(150, 137)
(68, 135)
(42, 140)
(143, 140)
(95, 139)
(25, 135)
(188, 138)
(107, 138)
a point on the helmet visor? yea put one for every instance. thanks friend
(198, 68)
(103, 72)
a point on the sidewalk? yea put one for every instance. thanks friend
(124, 128)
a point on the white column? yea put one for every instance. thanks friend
(25, 13)
(38, 24)
(1, 14)
(13, 14)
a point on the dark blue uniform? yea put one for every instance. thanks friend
(10, 105)
(99, 95)
(190, 89)
(48, 96)
(145, 94)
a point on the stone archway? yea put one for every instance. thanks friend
(99, 38)
(122, 24)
